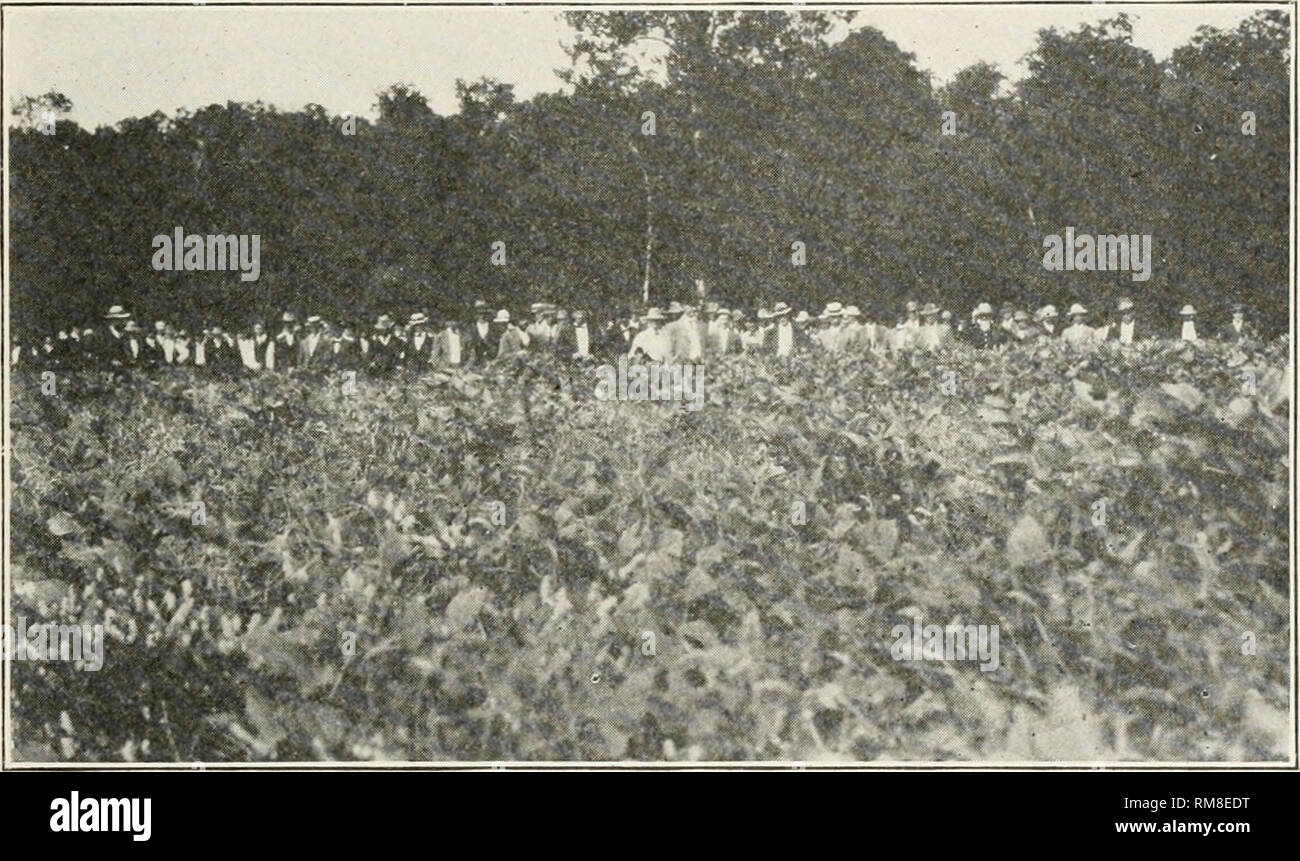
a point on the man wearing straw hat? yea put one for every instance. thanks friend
(1124, 329)
(682, 333)
(929, 335)
(780, 337)
(1238, 329)
(421, 345)
(1046, 317)
(903, 336)
(514, 341)
(828, 335)
(853, 334)
(651, 342)
(1078, 332)
(983, 334)
(381, 347)
(113, 348)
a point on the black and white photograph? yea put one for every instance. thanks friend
(661, 387)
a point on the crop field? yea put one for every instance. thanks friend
(498, 566)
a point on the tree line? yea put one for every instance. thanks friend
(766, 132)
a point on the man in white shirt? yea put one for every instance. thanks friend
(782, 332)
(905, 333)
(829, 335)
(1078, 332)
(722, 338)
(651, 342)
(682, 333)
(581, 336)
(514, 340)
(928, 334)
(539, 328)
(1125, 331)
(852, 335)
(1188, 313)
(449, 349)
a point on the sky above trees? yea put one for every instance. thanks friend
(115, 63)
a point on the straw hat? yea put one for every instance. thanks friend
(1188, 311)
(654, 314)
(503, 316)
(117, 312)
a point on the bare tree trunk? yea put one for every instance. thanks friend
(649, 224)
(649, 237)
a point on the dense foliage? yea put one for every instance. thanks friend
(769, 129)
(645, 590)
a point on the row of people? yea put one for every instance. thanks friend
(120, 341)
(678, 332)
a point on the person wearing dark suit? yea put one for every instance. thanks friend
(382, 348)
(1124, 328)
(113, 342)
(219, 352)
(1238, 330)
(722, 337)
(342, 351)
(561, 342)
(982, 334)
(480, 341)
(514, 341)
(287, 342)
(312, 343)
(1046, 323)
(421, 343)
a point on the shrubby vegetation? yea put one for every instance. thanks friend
(351, 594)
